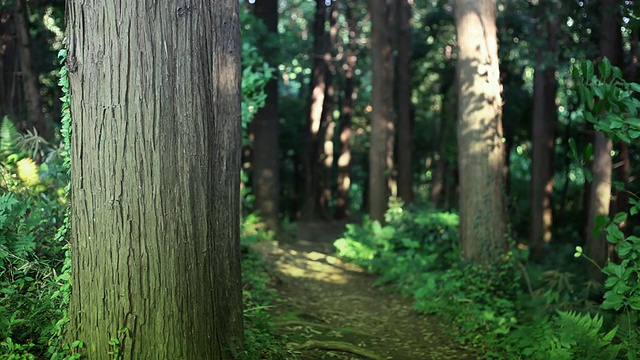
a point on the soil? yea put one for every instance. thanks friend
(330, 309)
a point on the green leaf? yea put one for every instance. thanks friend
(588, 70)
(623, 249)
(604, 68)
(612, 301)
(620, 218)
(634, 302)
(573, 148)
(614, 235)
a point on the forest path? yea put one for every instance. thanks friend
(329, 309)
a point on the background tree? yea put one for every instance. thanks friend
(405, 141)
(155, 174)
(346, 115)
(382, 104)
(544, 119)
(318, 84)
(600, 190)
(266, 128)
(480, 147)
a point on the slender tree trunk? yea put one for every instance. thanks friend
(155, 179)
(35, 116)
(480, 147)
(382, 103)
(346, 132)
(545, 117)
(328, 123)
(600, 190)
(318, 92)
(441, 180)
(266, 128)
(10, 87)
(405, 140)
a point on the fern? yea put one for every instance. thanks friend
(8, 137)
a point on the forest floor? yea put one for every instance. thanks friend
(329, 309)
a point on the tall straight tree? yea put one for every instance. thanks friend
(545, 117)
(405, 141)
(346, 131)
(382, 103)
(155, 97)
(313, 169)
(601, 168)
(35, 116)
(480, 146)
(266, 128)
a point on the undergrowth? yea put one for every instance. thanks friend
(500, 308)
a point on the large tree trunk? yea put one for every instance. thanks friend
(545, 117)
(344, 160)
(382, 103)
(600, 190)
(313, 171)
(266, 129)
(155, 176)
(405, 140)
(480, 147)
(35, 116)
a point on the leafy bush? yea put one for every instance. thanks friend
(417, 253)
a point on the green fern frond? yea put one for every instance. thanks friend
(8, 137)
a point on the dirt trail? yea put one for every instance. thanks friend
(329, 309)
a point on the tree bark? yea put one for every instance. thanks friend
(266, 128)
(600, 190)
(313, 171)
(545, 117)
(35, 116)
(480, 147)
(155, 89)
(405, 140)
(382, 103)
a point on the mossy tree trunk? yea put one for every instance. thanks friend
(480, 147)
(155, 89)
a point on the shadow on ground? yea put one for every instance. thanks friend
(330, 310)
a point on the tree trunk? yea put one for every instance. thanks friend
(313, 171)
(10, 87)
(480, 147)
(35, 116)
(545, 117)
(600, 190)
(382, 103)
(328, 123)
(346, 132)
(405, 140)
(155, 176)
(266, 128)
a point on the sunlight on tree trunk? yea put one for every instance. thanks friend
(600, 190)
(480, 146)
(545, 117)
(311, 207)
(155, 98)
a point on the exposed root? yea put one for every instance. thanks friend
(340, 346)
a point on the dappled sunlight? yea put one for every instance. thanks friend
(314, 266)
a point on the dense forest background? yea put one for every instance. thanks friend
(357, 111)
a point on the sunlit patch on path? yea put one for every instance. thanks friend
(330, 310)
